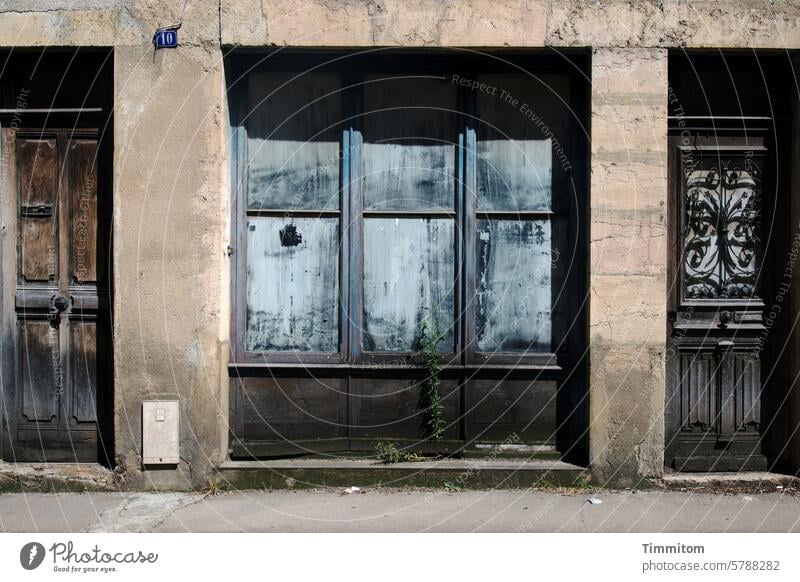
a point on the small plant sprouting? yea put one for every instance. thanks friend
(388, 453)
(213, 488)
(430, 399)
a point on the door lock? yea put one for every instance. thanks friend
(58, 304)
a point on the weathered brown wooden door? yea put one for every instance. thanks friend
(720, 207)
(56, 345)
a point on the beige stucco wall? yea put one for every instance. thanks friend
(524, 23)
(170, 227)
(628, 262)
(172, 194)
(491, 23)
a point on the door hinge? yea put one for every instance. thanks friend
(229, 250)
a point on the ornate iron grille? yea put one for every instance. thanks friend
(721, 235)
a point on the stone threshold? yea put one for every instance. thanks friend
(754, 481)
(51, 477)
(455, 474)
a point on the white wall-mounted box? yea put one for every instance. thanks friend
(160, 432)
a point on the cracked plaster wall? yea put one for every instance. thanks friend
(628, 262)
(528, 23)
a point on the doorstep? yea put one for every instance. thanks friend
(52, 477)
(755, 481)
(305, 473)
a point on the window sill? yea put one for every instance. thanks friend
(246, 369)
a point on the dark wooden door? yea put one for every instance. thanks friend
(57, 343)
(719, 198)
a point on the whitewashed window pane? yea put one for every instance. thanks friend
(408, 281)
(292, 284)
(514, 286)
(293, 141)
(522, 142)
(409, 129)
(515, 175)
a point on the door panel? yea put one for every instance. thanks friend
(84, 371)
(37, 175)
(39, 355)
(698, 373)
(716, 331)
(747, 376)
(57, 303)
(80, 165)
(501, 408)
(288, 415)
(389, 408)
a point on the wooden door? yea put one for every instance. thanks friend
(57, 344)
(719, 197)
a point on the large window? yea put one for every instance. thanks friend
(382, 205)
(388, 201)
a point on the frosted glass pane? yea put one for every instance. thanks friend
(408, 177)
(523, 142)
(293, 284)
(410, 139)
(514, 286)
(408, 280)
(515, 175)
(293, 141)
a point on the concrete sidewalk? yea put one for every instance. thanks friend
(380, 510)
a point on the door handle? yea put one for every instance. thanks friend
(58, 304)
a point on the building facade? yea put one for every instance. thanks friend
(582, 216)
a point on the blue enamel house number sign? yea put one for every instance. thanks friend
(166, 38)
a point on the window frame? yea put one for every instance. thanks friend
(239, 99)
(351, 356)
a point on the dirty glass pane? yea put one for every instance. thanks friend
(410, 141)
(408, 281)
(293, 141)
(514, 175)
(292, 284)
(522, 149)
(514, 286)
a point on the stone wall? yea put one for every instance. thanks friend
(170, 230)
(509, 23)
(172, 194)
(628, 256)
(475, 23)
